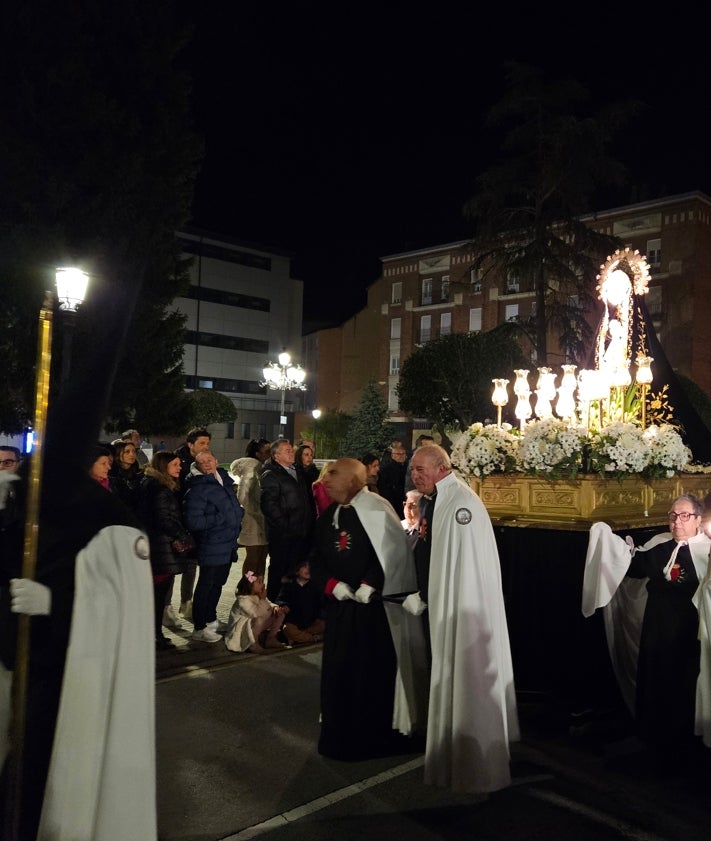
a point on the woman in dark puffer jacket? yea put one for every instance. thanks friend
(159, 510)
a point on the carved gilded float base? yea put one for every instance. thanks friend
(576, 504)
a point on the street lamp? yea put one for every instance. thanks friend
(71, 286)
(283, 376)
(316, 414)
(70, 291)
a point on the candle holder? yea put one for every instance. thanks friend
(500, 397)
(644, 378)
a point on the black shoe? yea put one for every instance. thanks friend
(164, 644)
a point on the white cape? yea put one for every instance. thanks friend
(395, 555)
(624, 601)
(102, 777)
(472, 710)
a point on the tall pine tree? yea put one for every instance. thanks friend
(368, 430)
(98, 169)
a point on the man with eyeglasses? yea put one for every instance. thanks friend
(9, 459)
(664, 675)
(10, 507)
(411, 523)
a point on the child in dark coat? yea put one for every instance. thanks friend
(305, 622)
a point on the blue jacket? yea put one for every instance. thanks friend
(214, 516)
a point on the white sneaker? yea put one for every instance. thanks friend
(171, 618)
(186, 610)
(217, 626)
(206, 635)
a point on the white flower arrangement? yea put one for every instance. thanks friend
(619, 448)
(484, 449)
(668, 454)
(552, 447)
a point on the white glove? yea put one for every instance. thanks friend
(363, 593)
(342, 591)
(413, 604)
(630, 543)
(30, 597)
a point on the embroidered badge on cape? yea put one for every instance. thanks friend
(677, 573)
(463, 516)
(140, 547)
(343, 541)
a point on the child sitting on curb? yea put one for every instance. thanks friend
(254, 621)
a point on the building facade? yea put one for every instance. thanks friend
(243, 309)
(425, 294)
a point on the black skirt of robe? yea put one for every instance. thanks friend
(668, 664)
(359, 662)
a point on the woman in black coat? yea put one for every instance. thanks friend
(125, 474)
(160, 512)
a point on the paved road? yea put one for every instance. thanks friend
(237, 760)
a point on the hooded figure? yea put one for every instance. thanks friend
(89, 742)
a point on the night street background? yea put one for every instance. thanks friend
(345, 134)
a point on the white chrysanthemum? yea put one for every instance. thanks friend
(550, 445)
(666, 448)
(481, 450)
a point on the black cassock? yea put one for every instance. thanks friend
(359, 662)
(668, 664)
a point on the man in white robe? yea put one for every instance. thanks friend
(472, 707)
(624, 601)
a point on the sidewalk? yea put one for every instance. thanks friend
(189, 655)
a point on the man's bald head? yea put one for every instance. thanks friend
(343, 479)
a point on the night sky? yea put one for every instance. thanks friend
(343, 133)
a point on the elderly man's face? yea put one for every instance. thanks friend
(398, 454)
(284, 454)
(411, 508)
(206, 462)
(9, 461)
(425, 470)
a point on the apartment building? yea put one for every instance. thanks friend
(243, 309)
(424, 294)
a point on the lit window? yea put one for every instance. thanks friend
(445, 324)
(396, 293)
(654, 252)
(395, 326)
(513, 283)
(426, 291)
(425, 328)
(511, 312)
(475, 320)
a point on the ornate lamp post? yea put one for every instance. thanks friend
(70, 291)
(283, 376)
